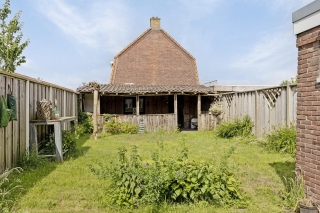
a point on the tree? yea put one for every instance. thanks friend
(10, 38)
(293, 80)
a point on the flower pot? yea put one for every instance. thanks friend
(308, 209)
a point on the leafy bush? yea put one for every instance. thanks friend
(282, 140)
(85, 122)
(116, 127)
(239, 127)
(79, 130)
(108, 117)
(135, 183)
(68, 141)
(7, 187)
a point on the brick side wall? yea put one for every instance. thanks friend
(155, 59)
(308, 111)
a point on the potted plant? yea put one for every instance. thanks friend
(215, 110)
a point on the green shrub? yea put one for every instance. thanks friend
(85, 122)
(68, 141)
(135, 183)
(116, 127)
(238, 127)
(282, 140)
(108, 117)
(7, 188)
(79, 130)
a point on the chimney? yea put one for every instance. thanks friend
(155, 23)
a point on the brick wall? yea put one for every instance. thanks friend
(155, 59)
(308, 111)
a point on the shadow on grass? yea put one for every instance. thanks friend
(285, 170)
(38, 168)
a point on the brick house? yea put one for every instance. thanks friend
(306, 23)
(153, 78)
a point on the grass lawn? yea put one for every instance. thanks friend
(72, 187)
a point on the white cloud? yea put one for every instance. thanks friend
(272, 59)
(100, 25)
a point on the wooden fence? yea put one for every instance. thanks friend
(14, 139)
(151, 123)
(268, 108)
(206, 122)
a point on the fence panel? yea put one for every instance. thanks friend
(268, 108)
(14, 139)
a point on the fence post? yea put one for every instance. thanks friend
(199, 112)
(288, 104)
(235, 105)
(27, 114)
(256, 111)
(176, 109)
(137, 106)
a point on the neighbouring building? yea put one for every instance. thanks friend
(154, 81)
(306, 23)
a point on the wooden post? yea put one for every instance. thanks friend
(58, 141)
(95, 87)
(256, 111)
(27, 114)
(137, 105)
(199, 112)
(98, 104)
(95, 114)
(175, 108)
(236, 104)
(64, 114)
(51, 95)
(288, 104)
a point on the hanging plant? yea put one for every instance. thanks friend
(216, 109)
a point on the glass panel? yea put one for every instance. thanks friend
(128, 107)
(141, 106)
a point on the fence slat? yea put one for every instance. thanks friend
(14, 139)
(263, 113)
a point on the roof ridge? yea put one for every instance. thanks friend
(132, 43)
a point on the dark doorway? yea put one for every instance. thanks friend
(180, 111)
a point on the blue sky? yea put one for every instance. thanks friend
(238, 42)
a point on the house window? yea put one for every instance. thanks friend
(130, 105)
(141, 105)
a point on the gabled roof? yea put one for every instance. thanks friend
(132, 43)
(154, 58)
(143, 34)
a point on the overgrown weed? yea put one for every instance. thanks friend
(238, 127)
(8, 187)
(30, 160)
(294, 192)
(282, 140)
(136, 183)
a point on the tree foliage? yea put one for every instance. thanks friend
(10, 38)
(293, 80)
